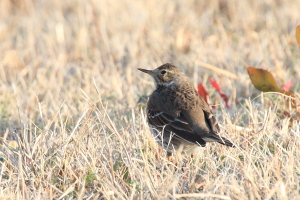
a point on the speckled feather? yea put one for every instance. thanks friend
(177, 115)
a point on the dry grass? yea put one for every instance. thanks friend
(69, 121)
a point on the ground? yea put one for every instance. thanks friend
(72, 118)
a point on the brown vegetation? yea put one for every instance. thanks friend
(70, 124)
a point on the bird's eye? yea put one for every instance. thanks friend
(163, 72)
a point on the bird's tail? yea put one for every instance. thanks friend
(217, 138)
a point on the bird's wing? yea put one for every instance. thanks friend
(208, 128)
(209, 118)
(176, 125)
(211, 122)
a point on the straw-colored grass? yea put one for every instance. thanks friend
(70, 122)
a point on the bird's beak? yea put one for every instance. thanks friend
(146, 71)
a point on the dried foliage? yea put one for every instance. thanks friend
(70, 126)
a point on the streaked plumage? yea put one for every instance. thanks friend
(177, 115)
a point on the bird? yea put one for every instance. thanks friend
(179, 118)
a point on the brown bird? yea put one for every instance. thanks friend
(178, 117)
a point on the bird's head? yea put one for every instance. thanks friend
(164, 75)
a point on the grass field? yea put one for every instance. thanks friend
(72, 119)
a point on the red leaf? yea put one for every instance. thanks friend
(214, 84)
(225, 98)
(202, 92)
(218, 88)
(288, 85)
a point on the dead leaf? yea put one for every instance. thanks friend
(12, 59)
(13, 144)
(183, 40)
(298, 34)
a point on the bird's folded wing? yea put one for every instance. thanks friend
(214, 129)
(211, 122)
(209, 118)
(174, 125)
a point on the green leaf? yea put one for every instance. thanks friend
(263, 80)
